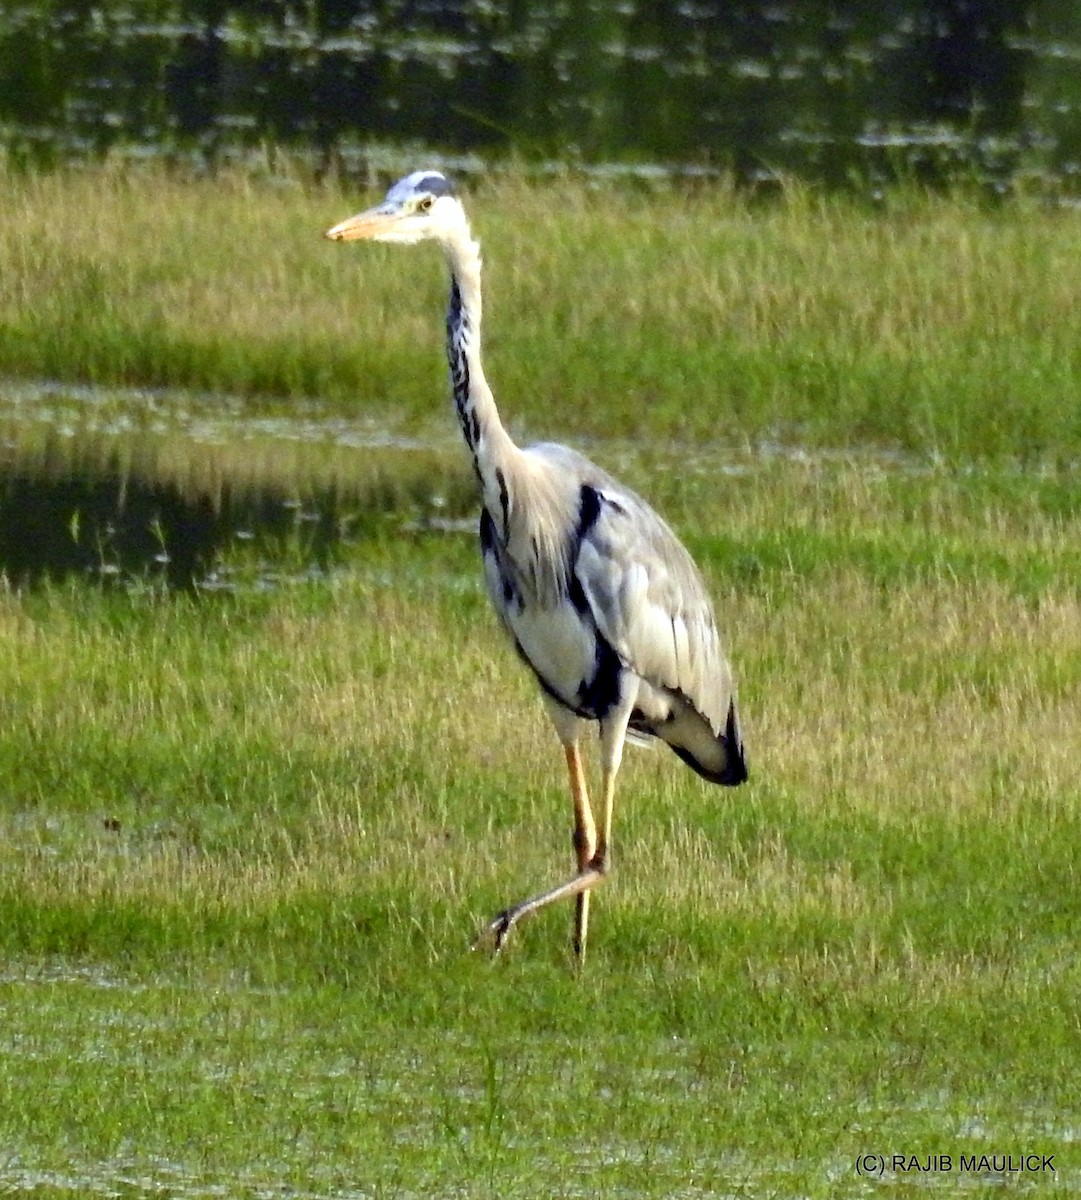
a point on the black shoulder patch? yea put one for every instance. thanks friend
(589, 509)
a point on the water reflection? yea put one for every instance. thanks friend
(110, 525)
(832, 91)
(87, 489)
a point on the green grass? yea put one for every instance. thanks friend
(931, 325)
(246, 838)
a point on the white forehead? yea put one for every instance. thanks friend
(433, 183)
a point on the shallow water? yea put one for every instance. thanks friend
(205, 491)
(142, 486)
(202, 491)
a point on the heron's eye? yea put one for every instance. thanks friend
(424, 203)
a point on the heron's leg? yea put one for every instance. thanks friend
(585, 842)
(613, 734)
(613, 737)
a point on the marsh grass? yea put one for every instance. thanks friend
(932, 325)
(248, 837)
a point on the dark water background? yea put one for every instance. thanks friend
(845, 91)
(177, 507)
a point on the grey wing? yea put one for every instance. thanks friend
(650, 603)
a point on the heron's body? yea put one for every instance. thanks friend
(613, 610)
(599, 596)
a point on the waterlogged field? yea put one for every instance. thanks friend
(247, 834)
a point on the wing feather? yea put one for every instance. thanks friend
(650, 603)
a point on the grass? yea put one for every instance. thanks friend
(934, 326)
(247, 836)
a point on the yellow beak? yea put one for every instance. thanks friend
(368, 224)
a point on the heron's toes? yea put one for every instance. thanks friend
(496, 931)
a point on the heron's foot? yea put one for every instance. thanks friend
(496, 932)
(498, 929)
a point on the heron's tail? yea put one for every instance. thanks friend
(718, 758)
(735, 768)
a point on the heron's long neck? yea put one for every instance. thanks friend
(491, 446)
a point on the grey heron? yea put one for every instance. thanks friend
(600, 598)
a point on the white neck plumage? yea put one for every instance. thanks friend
(489, 443)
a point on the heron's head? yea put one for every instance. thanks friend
(420, 207)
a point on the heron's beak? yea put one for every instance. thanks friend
(372, 223)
